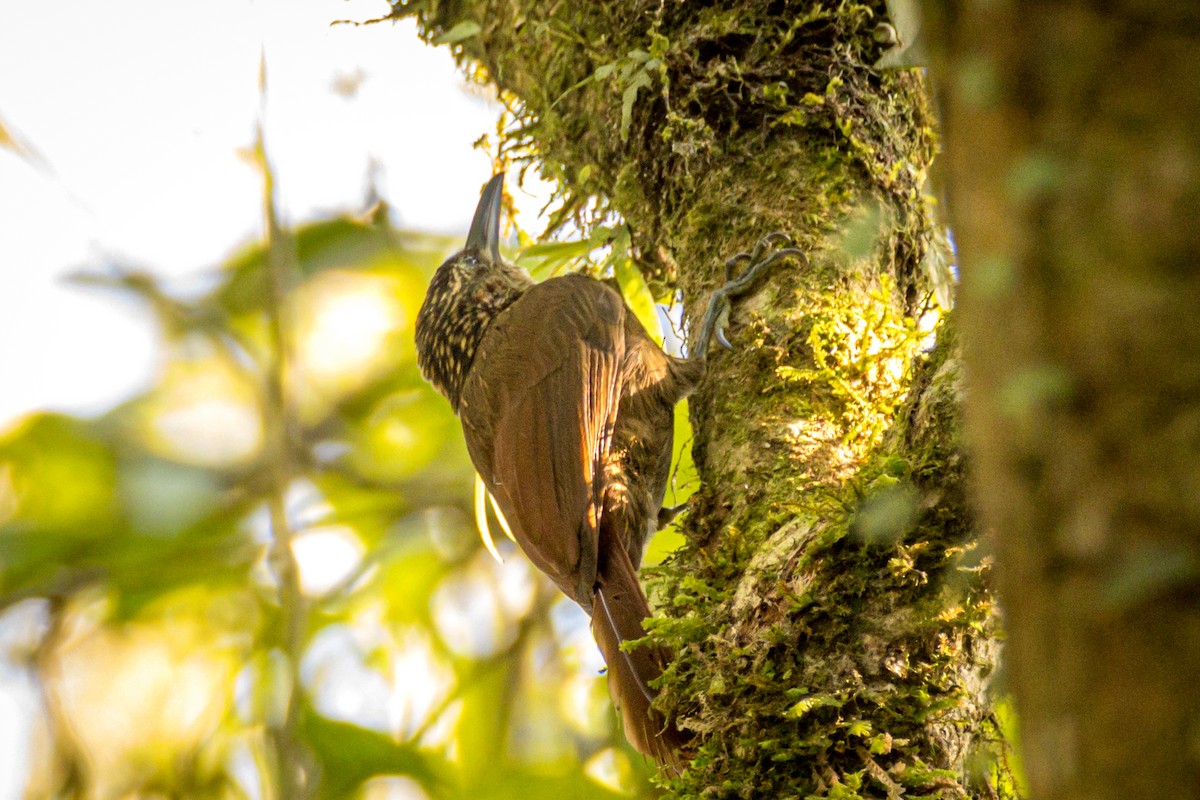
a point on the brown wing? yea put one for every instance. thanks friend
(538, 409)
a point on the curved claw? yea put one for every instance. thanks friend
(737, 285)
(755, 258)
(770, 239)
(777, 236)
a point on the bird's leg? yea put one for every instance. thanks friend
(737, 285)
(667, 514)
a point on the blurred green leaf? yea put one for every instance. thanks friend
(213, 552)
(164, 497)
(461, 31)
(862, 232)
(341, 242)
(404, 433)
(408, 582)
(887, 512)
(1032, 387)
(640, 81)
(633, 287)
(547, 259)
(483, 726)
(60, 473)
(82, 515)
(349, 755)
(517, 783)
(1146, 572)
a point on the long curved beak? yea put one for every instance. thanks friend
(484, 236)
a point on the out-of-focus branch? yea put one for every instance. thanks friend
(292, 777)
(67, 758)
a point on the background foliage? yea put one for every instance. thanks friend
(270, 557)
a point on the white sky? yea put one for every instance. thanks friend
(139, 108)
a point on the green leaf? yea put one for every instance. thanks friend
(482, 725)
(411, 570)
(802, 707)
(603, 234)
(141, 526)
(402, 436)
(514, 782)
(214, 552)
(547, 259)
(860, 728)
(461, 31)
(349, 755)
(640, 81)
(633, 286)
(62, 474)
(164, 497)
(556, 250)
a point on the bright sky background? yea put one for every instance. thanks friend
(139, 109)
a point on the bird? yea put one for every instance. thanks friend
(567, 408)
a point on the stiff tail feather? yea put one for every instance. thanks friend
(618, 608)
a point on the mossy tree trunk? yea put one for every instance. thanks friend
(834, 622)
(1073, 134)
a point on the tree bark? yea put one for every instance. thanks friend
(833, 617)
(1074, 156)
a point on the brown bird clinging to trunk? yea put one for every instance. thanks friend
(567, 407)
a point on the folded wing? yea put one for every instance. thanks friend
(538, 410)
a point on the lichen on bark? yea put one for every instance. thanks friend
(832, 614)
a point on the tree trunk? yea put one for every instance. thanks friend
(1074, 149)
(833, 619)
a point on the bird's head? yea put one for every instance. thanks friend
(467, 292)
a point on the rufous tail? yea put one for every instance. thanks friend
(618, 609)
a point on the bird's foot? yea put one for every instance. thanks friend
(757, 262)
